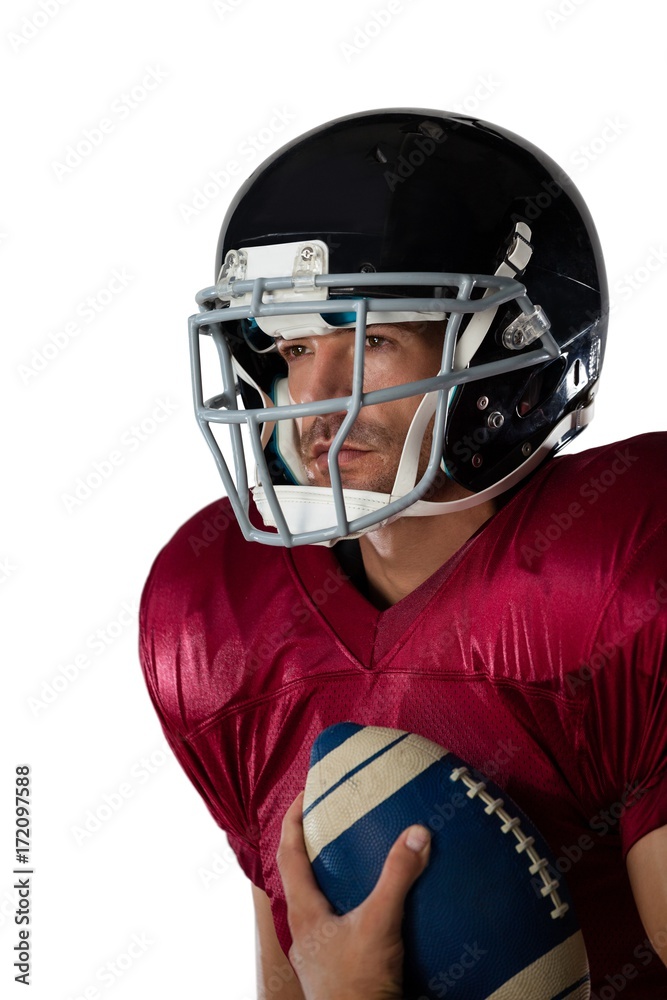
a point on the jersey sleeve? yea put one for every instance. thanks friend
(625, 680)
(159, 662)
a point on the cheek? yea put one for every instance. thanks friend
(381, 371)
(299, 420)
(395, 417)
(396, 366)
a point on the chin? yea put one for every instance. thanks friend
(350, 483)
(383, 483)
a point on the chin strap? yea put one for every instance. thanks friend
(571, 422)
(514, 262)
(312, 508)
(406, 474)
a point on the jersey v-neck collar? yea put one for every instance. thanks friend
(369, 635)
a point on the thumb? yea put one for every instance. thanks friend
(404, 864)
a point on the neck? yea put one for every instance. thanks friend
(401, 556)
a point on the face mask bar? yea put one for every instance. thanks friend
(223, 408)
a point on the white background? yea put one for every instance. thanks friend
(583, 80)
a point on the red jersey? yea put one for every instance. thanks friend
(537, 653)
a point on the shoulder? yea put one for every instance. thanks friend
(211, 527)
(208, 551)
(606, 502)
(211, 597)
(612, 470)
(579, 548)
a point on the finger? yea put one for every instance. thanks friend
(302, 893)
(401, 869)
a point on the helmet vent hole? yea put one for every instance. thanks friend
(540, 386)
(577, 372)
(431, 129)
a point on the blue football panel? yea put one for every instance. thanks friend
(332, 737)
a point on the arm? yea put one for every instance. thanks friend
(647, 868)
(272, 966)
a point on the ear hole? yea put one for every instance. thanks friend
(540, 386)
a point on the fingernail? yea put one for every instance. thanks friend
(417, 838)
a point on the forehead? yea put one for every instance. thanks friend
(404, 330)
(413, 327)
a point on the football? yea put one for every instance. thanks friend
(487, 919)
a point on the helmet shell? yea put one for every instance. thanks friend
(404, 190)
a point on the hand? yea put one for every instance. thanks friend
(357, 956)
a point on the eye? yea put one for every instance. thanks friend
(374, 340)
(290, 352)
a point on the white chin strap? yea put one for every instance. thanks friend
(311, 508)
(514, 262)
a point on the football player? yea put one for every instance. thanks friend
(408, 322)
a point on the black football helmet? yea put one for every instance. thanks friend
(393, 216)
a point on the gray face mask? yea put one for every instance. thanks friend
(255, 285)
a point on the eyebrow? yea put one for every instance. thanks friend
(284, 340)
(406, 329)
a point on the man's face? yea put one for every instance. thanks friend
(320, 367)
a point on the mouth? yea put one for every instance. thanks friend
(346, 456)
